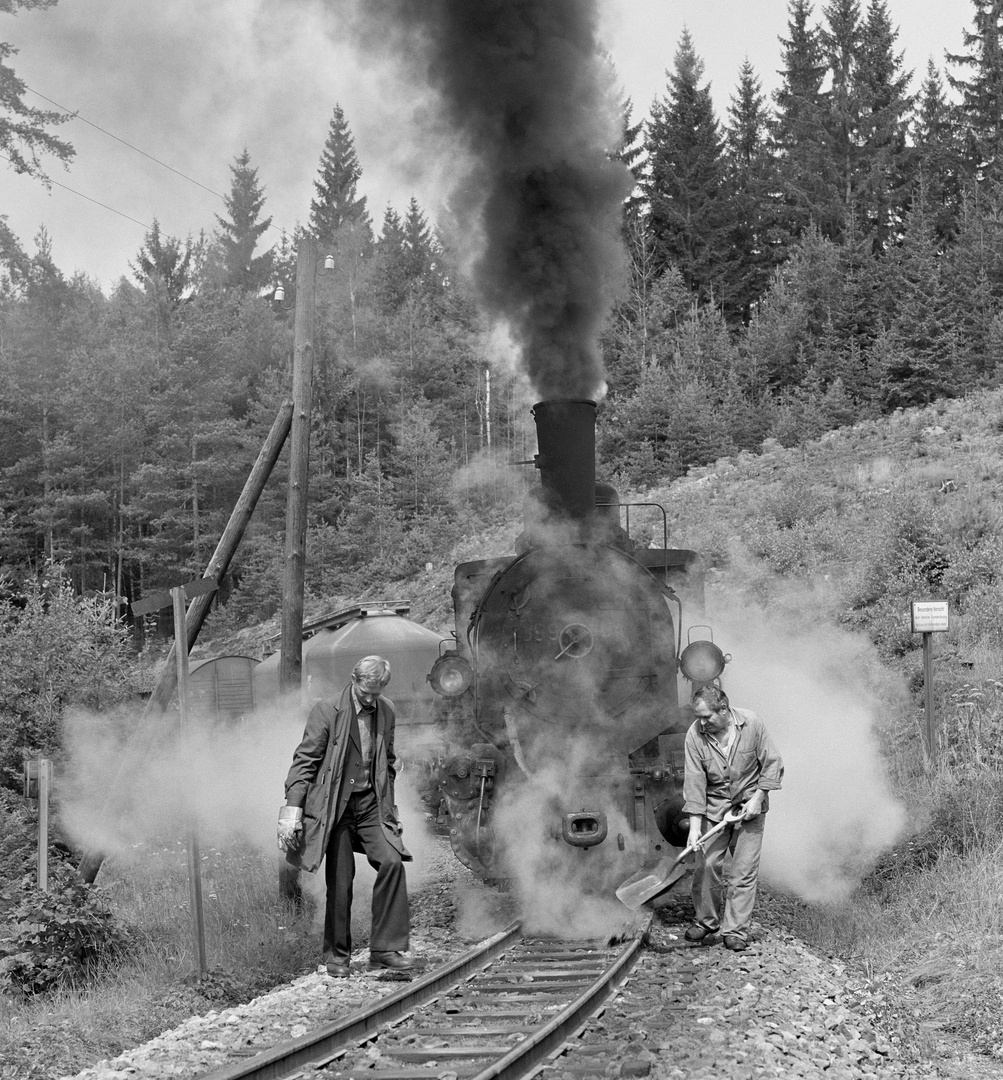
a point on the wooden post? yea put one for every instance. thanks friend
(188, 752)
(931, 722)
(199, 608)
(929, 617)
(291, 661)
(44, 787)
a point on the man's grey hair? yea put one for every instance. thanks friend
(712, 696)
(372, 671)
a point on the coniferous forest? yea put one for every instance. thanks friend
(827, 253)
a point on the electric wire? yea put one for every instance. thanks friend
(74, 115)
(104, 131)
(66, 187)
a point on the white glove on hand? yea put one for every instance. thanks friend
(290, 828)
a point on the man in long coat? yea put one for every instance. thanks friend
(339, 800)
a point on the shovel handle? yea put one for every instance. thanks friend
(734, 814)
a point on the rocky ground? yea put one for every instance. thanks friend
(687, 1013)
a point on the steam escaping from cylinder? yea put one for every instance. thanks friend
(525, 92)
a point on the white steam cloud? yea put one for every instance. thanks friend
(836, 812)
(115, 795)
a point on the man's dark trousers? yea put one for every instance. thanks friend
(360, 821)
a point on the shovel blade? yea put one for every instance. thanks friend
(647, 883)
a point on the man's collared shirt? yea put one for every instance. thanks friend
(716, 780)
(366, 718)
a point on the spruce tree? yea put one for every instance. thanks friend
(419, 247)
(982, 93)
(338, 204)
(937, 167)
(884, 106)
(630, 152)
(840, 38)
(389, 276)
(799, 129)
(686, 212)
(921, 367)
(754, 236)
(240, 232)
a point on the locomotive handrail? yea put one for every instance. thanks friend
(658, 506)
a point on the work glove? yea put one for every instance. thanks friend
(290, 828)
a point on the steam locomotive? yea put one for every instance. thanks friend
(559, 699)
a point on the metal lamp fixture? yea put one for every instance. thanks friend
(451, 675)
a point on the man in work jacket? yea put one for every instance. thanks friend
(731, 763)
(340, 799)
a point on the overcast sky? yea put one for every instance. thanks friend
(192, 83)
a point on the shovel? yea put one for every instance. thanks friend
(645, 885)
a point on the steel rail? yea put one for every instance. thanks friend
(318, 1047)
(527, 1057)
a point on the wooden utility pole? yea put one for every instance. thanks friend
(188, 749)
(291, 662)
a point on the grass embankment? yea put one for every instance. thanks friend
(846, 532)
(253, 941)
(842, 533)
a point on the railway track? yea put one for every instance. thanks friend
(498, 1012)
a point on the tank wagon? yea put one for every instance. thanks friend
(333, 643)
(559, 699)
(223, 686)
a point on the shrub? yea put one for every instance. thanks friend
(59, 650)
(56, 938)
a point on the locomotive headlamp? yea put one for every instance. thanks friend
(702, 661)
(451, 675)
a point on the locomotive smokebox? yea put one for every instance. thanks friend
(566, 438)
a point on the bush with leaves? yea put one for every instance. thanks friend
(56, 938)
(59, 649)
(18, 838)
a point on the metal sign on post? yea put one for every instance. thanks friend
(929, 617)
(177, 597)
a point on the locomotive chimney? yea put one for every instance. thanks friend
(566, 438)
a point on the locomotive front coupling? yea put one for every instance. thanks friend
(584, 829)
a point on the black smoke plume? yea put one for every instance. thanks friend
(525, 90)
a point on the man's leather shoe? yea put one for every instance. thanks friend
(394, 960)
(337, 970)
(696, 933)
(735, 943)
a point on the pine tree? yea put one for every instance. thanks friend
(23, 134)
(338, 204)
(240, 232)
(799, 130)
(982, 93)
(686, 213)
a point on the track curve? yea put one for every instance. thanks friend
(497, 1012)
